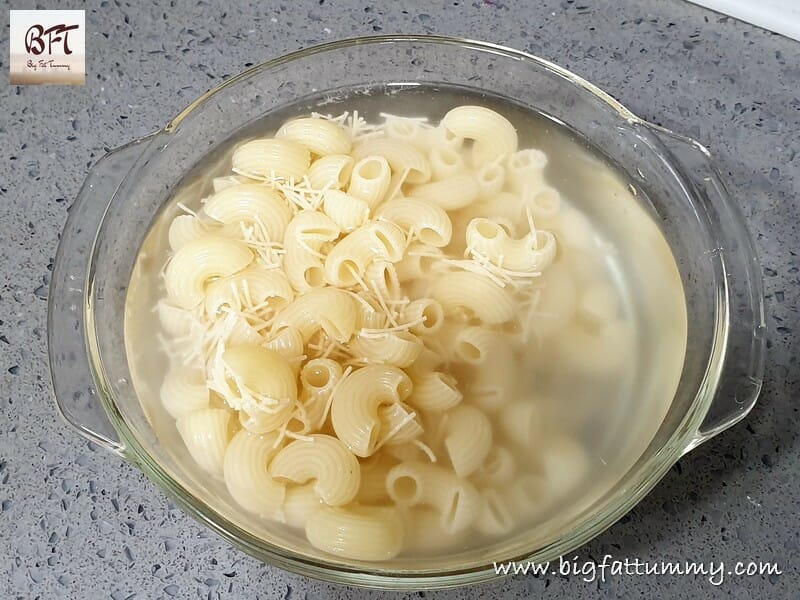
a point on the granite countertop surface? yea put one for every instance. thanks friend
(78, 522)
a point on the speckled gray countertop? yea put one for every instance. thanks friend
(78, 522)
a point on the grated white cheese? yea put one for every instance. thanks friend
(410, 416)
(426, 449)
(329, 401)
(186, 209)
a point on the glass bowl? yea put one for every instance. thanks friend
(671, 176)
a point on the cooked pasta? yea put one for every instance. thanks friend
(310, 229)
(527, 495)
(206, 433)
(305, 235)
(426, 314)
(494, 136)
(604, 349)
(521, 423)
(346, 316)
(526, 169)
(475, 345)
(370, 180)
(331, 172)
(442, 137)
(398, 348)
(304, 269)
(425, 536)
(408, 452)
(318, 379)
(199, 262)
(399, 424)
(418, 261)
(178, 322)
(319, 376)
(220, 183)
(409, 131)
(435, 391)
(556, 304)
(253, 204)
(498, 468)
(598, 304)
(263, 372)
(349, 259)
(320, 136)
(424, 220)
(266, 159)
(329, 309)
(354, 410)
(468, 439)
(374, 470)
(495, 516)
(326, 461)
(401, 157)
(288, 342)
(492, 383)
(257, 290)
(299, 503)
(246, 474)
(347, 211)
(184, 390)
(490, 178)
(381, 279)
(565, 463)
(456, 499)
(184, 229)
(356, 532)
(445, 162)
(451, 193)
(530, 254)
(544, 202)
(467, 295)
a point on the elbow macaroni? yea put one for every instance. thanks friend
(354, 297)
(493, 135)
(354, 410)
(271, 158)
(246, 475)
(198, 263)
(370, 180)
(328, 309)
(331, 172)
(206, 433)
(347, 263)
(347, 211)
(326, 461)
(401, 157)
(356, 532)
(456, 500)
(253, 204)
(428, 222)
(468, 439)
(319, 136)
(465, 294)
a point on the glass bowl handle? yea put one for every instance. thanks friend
(742, 370)
(74, 385)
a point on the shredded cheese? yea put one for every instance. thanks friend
(426, 449)
(186, 209)
(409, 416)
(326, 411)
